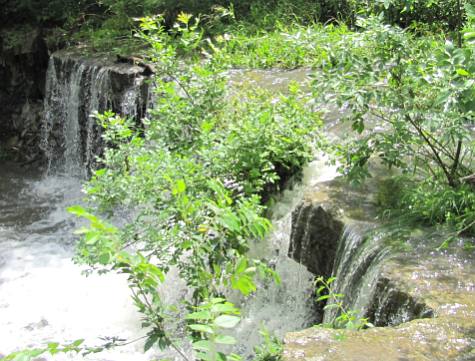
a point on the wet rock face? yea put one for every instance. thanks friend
(419, 340)
(23, 64)
(426, 301)
(392, 306)
(422, 300)
(76, 87)
(314, 238)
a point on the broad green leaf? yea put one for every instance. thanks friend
(226, 321)
(201, 328)
(202, 345)
(223, 308)
(200, 315)
(462, 72)
(151, 340)
(225, 340)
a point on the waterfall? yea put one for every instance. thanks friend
(75, 89)
(356, 267)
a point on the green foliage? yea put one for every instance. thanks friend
(271, 348)
(208, 322)
(345, 318)
(434, 202)
(191, 178)
(285, 46)
(51, 348)
(420, 92)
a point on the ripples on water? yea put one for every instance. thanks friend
(43, 295)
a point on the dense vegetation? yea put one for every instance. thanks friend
(194, 177)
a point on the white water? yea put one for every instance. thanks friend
(288, 306)
(44, 297)
(357, 266)
(75, 89)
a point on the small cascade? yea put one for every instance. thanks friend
(75, 89)
(278, 308)
(288, 306)
(356, 267)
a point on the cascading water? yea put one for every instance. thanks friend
(288, 306)
(43, 296)
(356, 267)
(76, 88)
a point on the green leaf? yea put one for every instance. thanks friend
(226, 321)
(77, 210)
(202, 345)
(242, 265)
(223, 308)
(225, 340)
(220, 356)
(200, 315)
(201, 328)
(151, 340)
(230, 221)
(462, 72)
(179, 187)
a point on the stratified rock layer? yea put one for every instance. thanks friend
(424, 298)
(78, 85)
(444, 283)
(23, 63)
(315, 235)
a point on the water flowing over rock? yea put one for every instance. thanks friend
(426, 283)
(425, 297)
(76, 87)
(315, 234)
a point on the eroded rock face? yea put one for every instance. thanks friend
(314, 237)
(425, 299)
(391, 305)
(77, 86)
(23, 63)
(442, 283)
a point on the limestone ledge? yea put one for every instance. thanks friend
(442, 285)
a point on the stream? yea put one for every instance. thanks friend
(44, 297)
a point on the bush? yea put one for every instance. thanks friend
(419, 92)
(190, 180)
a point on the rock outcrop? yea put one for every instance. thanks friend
(23, 63)
(76, 87)
(439, 287)
(422, 300)
(314, 237)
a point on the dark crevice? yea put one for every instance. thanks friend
(318, 242)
